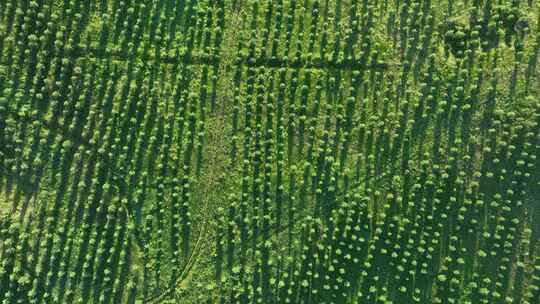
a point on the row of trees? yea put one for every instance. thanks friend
(100, 140)
(377, 151)
(407, 181)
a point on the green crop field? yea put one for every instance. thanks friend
(276, 151)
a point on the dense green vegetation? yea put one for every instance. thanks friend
(278, 151)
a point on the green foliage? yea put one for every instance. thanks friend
(269, 151)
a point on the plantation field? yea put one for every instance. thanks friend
(277, 151)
